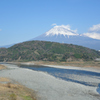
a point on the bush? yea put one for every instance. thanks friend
(13, 97)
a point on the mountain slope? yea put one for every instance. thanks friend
(63, 34)
(49, 51)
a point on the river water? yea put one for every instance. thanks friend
(73, 75)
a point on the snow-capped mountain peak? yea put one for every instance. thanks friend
(61, 30)
(64, 34)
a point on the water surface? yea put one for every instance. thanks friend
(67, 74)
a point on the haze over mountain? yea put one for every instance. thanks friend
(6, 46)
(63, 34)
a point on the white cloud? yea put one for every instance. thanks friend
(93, 35)
(54, 24)
(0, 29)
(68, 28)
(94, 32)
(95, 28)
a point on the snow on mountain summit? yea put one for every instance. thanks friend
(64, 34)
(61, 30)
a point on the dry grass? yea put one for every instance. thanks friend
(4, 79)
(9, 91)
(2, 67)
(72, 63)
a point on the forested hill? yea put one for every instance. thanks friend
(47, 51)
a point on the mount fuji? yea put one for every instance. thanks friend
(63, 34)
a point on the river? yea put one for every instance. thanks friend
(73, 75)
(57, 82)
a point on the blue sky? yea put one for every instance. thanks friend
(22, 20)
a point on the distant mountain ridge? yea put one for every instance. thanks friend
(47, 51)
(63, 34)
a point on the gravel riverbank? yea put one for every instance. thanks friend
(51, 88)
